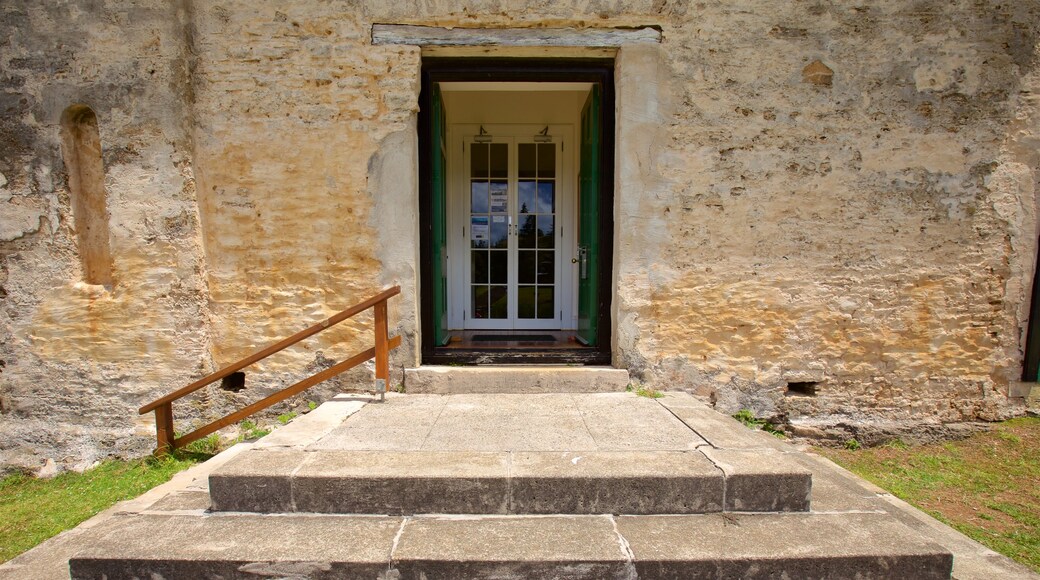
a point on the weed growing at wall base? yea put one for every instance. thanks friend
(747, 418)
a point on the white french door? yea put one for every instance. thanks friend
(512, 202)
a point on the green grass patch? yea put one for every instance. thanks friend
(32, 510)
(284, 418)
(984, 486)
(746, 417)
(649, 393)
(250, 430)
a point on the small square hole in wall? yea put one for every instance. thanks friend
(801, 389)
(234, 382)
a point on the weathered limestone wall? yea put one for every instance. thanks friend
(292, 107)
(872, 230)
(78, 359)
(867, 223)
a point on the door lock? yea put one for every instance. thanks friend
(583, 257)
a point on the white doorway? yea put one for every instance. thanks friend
(511, 182)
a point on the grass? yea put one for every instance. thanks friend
(250, 430)
(284, 418)
(986, 486)
(644, 391)
(32, 510)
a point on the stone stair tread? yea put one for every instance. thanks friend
(534, 482)
(433, 379)
(803, 545)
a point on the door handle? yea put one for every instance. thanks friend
(583, 257)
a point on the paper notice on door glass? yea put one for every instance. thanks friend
(498, 219)
(478, 229)
(499, 197)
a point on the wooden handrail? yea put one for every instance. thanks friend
(163, 406)
(276, 347)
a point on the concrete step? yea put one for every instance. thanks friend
(445, 380)
(704, 480)
(200, 545)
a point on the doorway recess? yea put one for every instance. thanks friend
(516, 198)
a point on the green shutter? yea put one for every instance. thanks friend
(440, 222)
(588, 219)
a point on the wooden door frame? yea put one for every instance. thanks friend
(441, 69)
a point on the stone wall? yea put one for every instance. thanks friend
(869, 228)
(78, 359)
(827, 193)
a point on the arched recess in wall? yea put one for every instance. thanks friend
(81, 149)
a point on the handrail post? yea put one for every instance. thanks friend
(164, 434)
(382, 346)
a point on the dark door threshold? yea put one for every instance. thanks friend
(514, 356)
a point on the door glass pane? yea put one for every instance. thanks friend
(545, 231)
(546, 197)
(499, 160)
(499, 304)
(479, 266)
(525, 161)
(478, 234)
(480, 302)
(527, 200)
(545, 302)
(528, 231)
(478, 197)
(546, 160)
(525, 302)
(499, 267)
(499, 197)
(546, 267)
(499, 232)
(527, 266)
(478, 159)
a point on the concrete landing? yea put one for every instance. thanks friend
(446, 380)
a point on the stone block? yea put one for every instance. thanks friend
(851, 545)
(377, 482)
(530, 380)
(615, 482)
(236, 546)
(511, 547)
(255, 481)
(718, 429)
(762, 480)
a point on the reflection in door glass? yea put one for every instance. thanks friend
(536, 232)
(489, 229)
(479, 197)
(546, 197)
(526, 198)
(498, 264)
